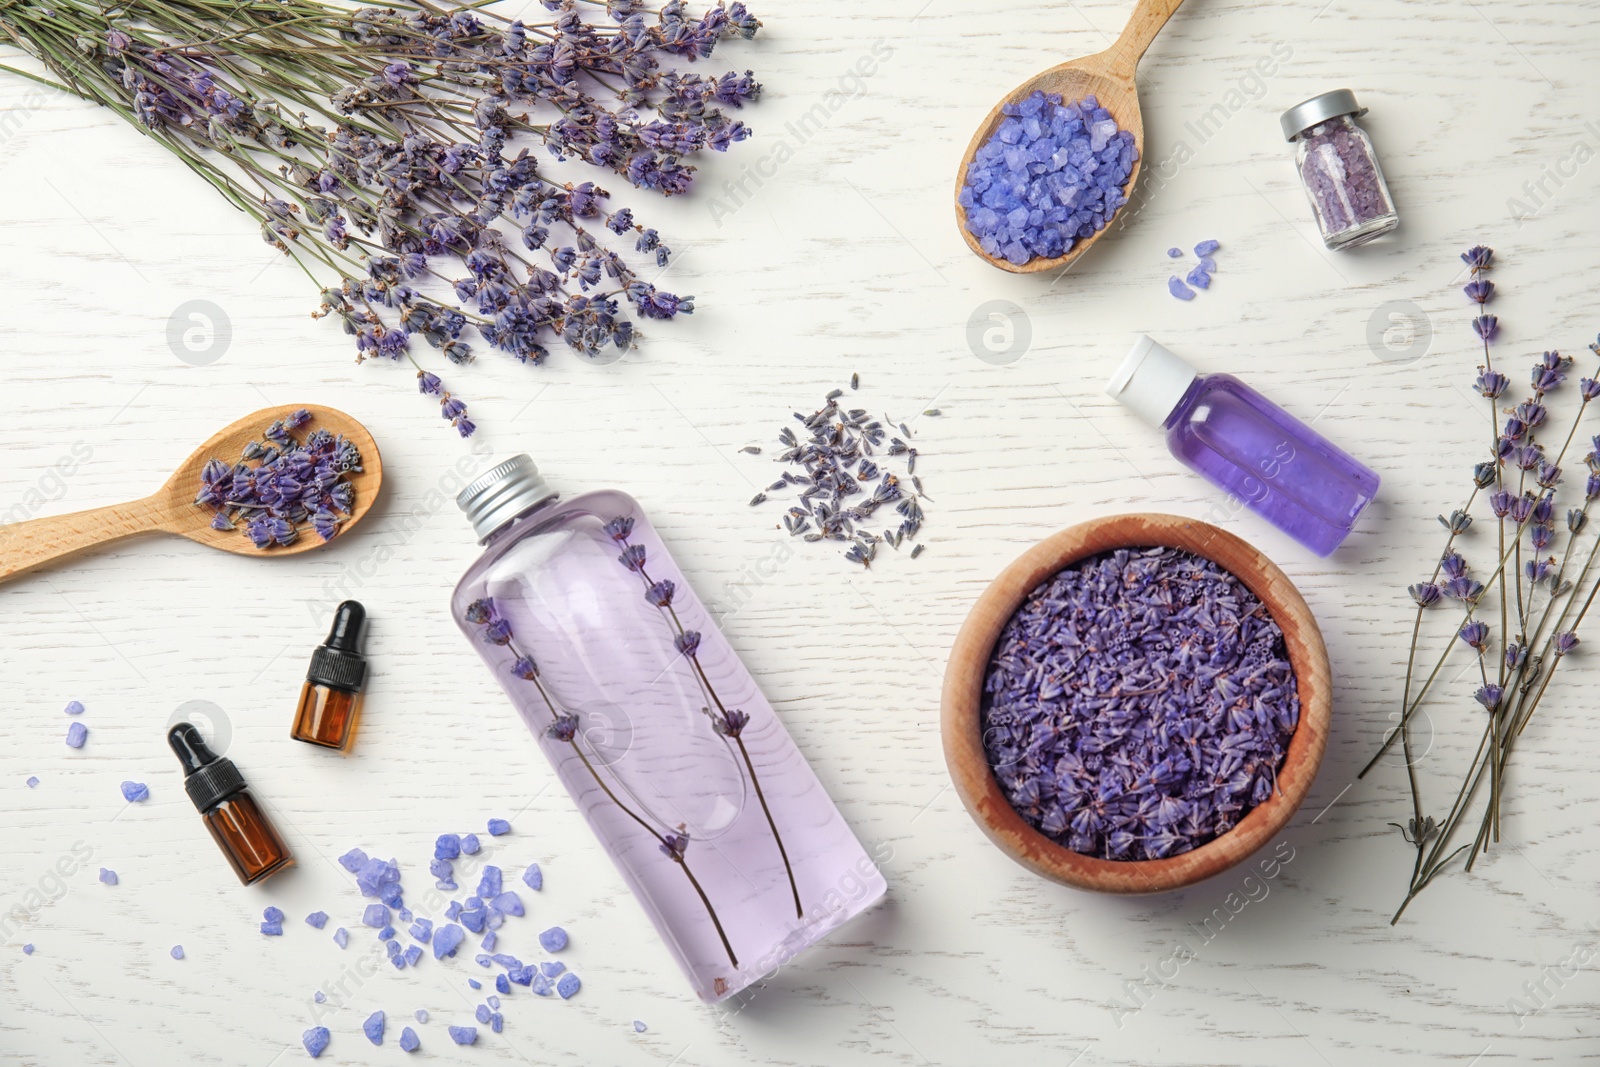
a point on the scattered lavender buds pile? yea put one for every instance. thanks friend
(1051, 174)
(1199, 276)
(1138, 704)
(843, 455)
(293, 484)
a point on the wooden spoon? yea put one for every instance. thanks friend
(1109, 76)
(171, 509)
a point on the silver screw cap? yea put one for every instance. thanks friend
(1308, 113)
(510, 489)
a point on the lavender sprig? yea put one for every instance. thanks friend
(563, 727)
(729, 722)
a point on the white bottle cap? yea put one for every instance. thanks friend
(1151, 381)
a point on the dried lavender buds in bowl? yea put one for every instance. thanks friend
(1135, 704)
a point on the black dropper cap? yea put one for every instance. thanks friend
(208, 778)
(338, 662)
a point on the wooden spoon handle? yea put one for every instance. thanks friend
(26, 545)
(1148, 18)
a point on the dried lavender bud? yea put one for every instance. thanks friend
(753, 450)
(294, 485)
(1194, 746)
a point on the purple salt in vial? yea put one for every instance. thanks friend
(1339, 169)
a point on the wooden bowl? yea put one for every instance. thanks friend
(969, 665)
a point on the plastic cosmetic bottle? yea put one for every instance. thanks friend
(237, 823)
(657, 731)
(330, 701)
(1268, 460)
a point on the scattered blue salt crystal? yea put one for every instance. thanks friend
(272, 914)
(496, 919)
(489, 940)
(1174, 253)
(489, 884)
(453, 911)
(551, 968)
(441, 869)
(272, 929)
(390, 892)
(405, 915)
(408, 1040)
(508, 903)
(413, 954)
(317, 919)
(482, 1014)
(639, 1026)
(1176, 287)
(108, 876)
(568, 985)
(474, 983)
(320, 997)
(506, 961)
(27, 950)
(446, 940)
(446, 884)
(1208, 265)
(448, 847)
(422, 930)
(498, 827)
(375, 916)
(463, 1035)
(315, 1040)
(1199, 278)
(77, 733)
(497, 1022)
(341, 937)
(73, 707)
(493, 1002)
(373, 1028)
(177, 952)
(533, 878)
(1205, 248)
(502, 984)
(33, 780)
(481, 960)
(553, 939)
(353, 860)
(422, 1015)
(473, 919)
(392, 948)
(541, 985)
(386, 933)
(522, 975)
(398, 961)
(469, 844)
(133, 792)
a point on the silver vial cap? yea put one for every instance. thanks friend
(1318, 109)
(510, 489)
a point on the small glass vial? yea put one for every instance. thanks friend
(1270, 461)
(656, 729)
(237, 823)
(330, 701)
(1339, 169)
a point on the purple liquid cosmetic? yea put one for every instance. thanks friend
(647, 763)
(1273, 463)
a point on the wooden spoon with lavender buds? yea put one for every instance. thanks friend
(173, 509)
(1109, 77)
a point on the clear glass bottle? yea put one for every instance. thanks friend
(1270, 461)
(656, 729)
(1339, 169)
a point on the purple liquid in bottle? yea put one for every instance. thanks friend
(646, 760)
(1273, 463)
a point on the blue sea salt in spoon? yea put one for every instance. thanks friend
(1063, 209)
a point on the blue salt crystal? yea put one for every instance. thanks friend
(568, 985)
(482, 959)
(373, 1028)
(551, 968)
(474, 983)
(398, 961)
(353, 860)
(463, 1035)
(1176, 287)
(375, 916)
(508, 903)
(405, 915)
(508, 962)
(541, 985)
(489, 884)
(177, 952)
(413, 954)
(77, 733)
(482, 1014)
(493, 1002)
(469, 844)
(392, 948)
(73, 707)
(33, 780)
(1208, 264)
(446, 940)
(473, 919)
(386, 933)
(1198, 278)
(533, 878)
(441, 869)
(320, 997)
(27, 950)
(422, 1015)
(446, 884)
(489, 940)
(453, 910)
(639, 1026)
(422, 930)
(1174, 253)
(498, 827)
(408, 1040)
(502, 984)
(496, 919)
(318, 919)
(1205, 248)
(341, 937)
(315, 1040)
(108, 876)
(447, 847)
(522, 975)
(133, 792)
(553, 939)
(389, 893)
(272, 929)
(497, 1022)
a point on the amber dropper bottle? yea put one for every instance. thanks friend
(237, 823)
(330, 701)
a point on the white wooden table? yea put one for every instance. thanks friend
(842, 258)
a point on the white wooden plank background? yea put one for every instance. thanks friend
(844, 260)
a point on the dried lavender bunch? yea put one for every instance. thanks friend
(374, 147)
(729, 722)
(563, 727)
(291, 486)
(1541, 599)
